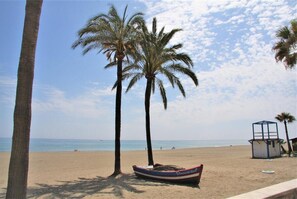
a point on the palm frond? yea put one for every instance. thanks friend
(124, 15)
(95, 19)
(76, 43)
(177, 46)
(285, 48)
(279, 45)
(111, 64)
(291, 119)
(90, 47)
(87, 30)
(127, 75)
(291, 60)
(183, 70)
(136, 19)
(154, 26)
(169, 75)
(285, 117)
(114, 85)
(114, 16)
(162, 92)
(283, 33)
(133, 80)
(168, 36)
(161, 32)
(132, 67)
(184, 58)
(180, 87)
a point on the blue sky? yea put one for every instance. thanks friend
(229, 41)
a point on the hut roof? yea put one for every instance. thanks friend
(264, 122)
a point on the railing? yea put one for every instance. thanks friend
(265, 135)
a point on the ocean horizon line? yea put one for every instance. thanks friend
(49, 145)
(95, 139)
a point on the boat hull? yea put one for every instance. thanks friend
(192, 175)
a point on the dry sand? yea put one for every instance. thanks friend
(228, 171)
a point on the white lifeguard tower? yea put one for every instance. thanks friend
(265, 142)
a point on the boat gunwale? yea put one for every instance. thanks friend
(176, 173)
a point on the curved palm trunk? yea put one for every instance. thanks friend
(147, 121)
(117, 163)
(288, 140)
(19, 160)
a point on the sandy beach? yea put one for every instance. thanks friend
(228, 171)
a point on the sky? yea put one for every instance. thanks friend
(229, 41)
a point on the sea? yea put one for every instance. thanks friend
(54, 145)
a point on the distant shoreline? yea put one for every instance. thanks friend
(111, 151)
(61, 145)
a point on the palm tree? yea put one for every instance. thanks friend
(286, 118)
(116, 37)
(286, 48)
(154, 59)
(19, 159)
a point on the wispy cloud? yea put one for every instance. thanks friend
(56, 114)
(212, 26)
(230, 93)
(94, 103)
(7, 90)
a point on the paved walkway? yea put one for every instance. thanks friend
(282, 190)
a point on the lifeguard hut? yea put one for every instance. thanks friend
(266, 142)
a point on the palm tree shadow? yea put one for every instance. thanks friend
(97, 186)
(91, 187)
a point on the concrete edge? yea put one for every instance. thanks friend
(280, 190)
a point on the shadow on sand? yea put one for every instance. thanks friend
(96, 187)
(91, 187)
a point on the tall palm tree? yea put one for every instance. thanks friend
(286, 48)
(286, 118)
(154, 59)
(19, 159)
(116, 37)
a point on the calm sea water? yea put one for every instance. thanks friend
(48, 145)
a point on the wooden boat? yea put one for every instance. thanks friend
(192, 175)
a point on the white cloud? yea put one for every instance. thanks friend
(231, 93)
(203, 24)
(55, 114)
(7, 89)
(91, 104)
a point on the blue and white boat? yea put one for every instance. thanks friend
(192, 175)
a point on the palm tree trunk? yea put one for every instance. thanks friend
(147, 121)
(288, 140)
(117, 163)
(19, 159)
